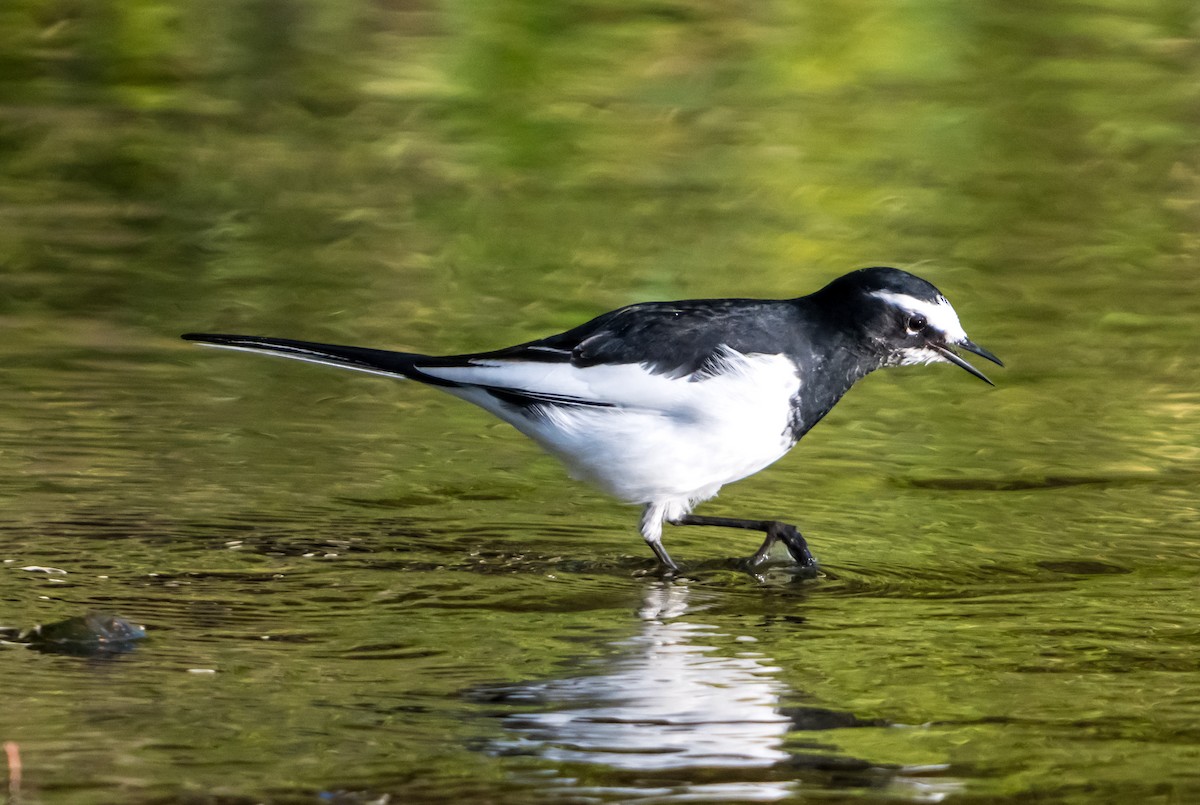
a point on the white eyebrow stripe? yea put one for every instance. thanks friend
(939, 314)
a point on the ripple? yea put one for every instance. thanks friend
(1021, 483)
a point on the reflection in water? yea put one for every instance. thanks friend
(672, 706)
(671, 702)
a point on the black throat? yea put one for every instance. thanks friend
(830, 357)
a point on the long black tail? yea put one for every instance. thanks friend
(361, 359)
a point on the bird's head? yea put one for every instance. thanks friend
(904, 320)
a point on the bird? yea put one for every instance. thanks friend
(663, 403)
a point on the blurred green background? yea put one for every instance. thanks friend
(380, 159)
(1013, 569)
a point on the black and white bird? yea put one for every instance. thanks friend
(663, 403)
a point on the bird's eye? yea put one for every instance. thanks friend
(916, 323)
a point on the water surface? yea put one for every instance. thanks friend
(356, 590)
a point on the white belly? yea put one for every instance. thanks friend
(673, 438)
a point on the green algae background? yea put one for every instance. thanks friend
(363, 591)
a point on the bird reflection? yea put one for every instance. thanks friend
(674, 718)
(670, 702)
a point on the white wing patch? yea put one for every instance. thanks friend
(627, 386)
(939, 314)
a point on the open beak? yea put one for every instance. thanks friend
(969, 346)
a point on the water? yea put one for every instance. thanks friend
(363, 591)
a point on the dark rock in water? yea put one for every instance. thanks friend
(93, 633)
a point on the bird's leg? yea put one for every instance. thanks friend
(651, 527)
(664, 558)
(775, 531)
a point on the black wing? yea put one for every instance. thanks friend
(678, 339)
(673, 338)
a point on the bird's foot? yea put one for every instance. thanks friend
(792, 539)
(667, 568)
